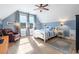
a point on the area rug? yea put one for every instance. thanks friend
(62, 46)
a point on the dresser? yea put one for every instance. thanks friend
(4, 45)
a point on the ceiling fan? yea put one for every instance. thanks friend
(41, 7)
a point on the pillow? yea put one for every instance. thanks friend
(49, 27)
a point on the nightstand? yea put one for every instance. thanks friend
(59, 32)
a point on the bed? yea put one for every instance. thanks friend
(44, 34)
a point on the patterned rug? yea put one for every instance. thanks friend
(61, 45)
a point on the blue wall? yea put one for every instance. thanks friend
(10, 18)
(38, 24)
(0, 24)
(52, 24)
(70, 23)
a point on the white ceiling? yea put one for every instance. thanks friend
(55, 13)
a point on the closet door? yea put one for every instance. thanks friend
(77, 33)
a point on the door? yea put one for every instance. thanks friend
(32, 23)
(24, 25)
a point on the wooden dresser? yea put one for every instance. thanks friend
(4, 45)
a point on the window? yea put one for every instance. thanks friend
(23, 25)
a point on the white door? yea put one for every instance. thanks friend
(32, 23)
(23, 24)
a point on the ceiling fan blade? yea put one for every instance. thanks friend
(45, 9)
(37, 5)
(45, 5)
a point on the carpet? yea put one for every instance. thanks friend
(61, 45)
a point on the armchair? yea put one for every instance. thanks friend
(13, 36)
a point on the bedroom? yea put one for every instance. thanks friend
(47, 25)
